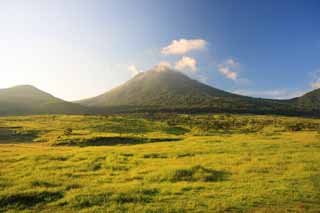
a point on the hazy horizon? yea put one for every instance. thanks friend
(252, 94)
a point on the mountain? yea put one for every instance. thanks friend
(163, 90)
(27, 99)
(157, 88)
(169, 90)
(309, 103)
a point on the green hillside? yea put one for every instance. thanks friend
(155, 90)
(309, 102)
(158, 88)
(173, 91)
(27, 99)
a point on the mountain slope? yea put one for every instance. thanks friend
(27, 99)
(165, 89)
(309, 102)
(157, 88)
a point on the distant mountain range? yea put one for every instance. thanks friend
(155, 90)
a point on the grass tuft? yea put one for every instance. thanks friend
(191, 174)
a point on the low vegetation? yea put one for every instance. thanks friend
(159, 162)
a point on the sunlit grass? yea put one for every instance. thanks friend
(270, 170)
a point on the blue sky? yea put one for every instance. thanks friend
(76, 49)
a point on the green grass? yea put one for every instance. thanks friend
(159, 163)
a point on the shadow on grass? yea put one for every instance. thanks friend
(23, 200)
(9, 135)
(131, 196)
(111, 141)
(176, 130)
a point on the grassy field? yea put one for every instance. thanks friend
(159, 163)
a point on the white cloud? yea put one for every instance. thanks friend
(186, 63)
(163, 66)
(231, 62)
(274, 94)
(133, 69)
(183, 46)
(227, 72)
(315, 84)
(228, 69)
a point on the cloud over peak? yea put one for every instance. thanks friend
(183, 46)
(315, 84)
(186, 63)
(133, 69)
(163, 66)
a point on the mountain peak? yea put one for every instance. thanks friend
(26, 91)
(160, 86)
(159, 73)
(27, 99)
(24, 87)
(164, 89)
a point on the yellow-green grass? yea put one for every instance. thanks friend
(272, 169)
